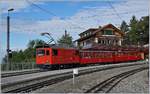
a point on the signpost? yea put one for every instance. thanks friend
(75, 72)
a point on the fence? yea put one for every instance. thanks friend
(17, 66)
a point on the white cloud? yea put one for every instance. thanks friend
(18, 5)
(86, 18)
(83, 19)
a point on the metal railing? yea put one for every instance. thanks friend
(17, 66)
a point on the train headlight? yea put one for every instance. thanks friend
(47, 62)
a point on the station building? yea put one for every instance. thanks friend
(107, 35)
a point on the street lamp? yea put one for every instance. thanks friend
(141, 40)
(141, 37)
(49, 36)
(8, 33)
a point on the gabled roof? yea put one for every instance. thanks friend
(112, 26)
(95, 30)
(90, 29)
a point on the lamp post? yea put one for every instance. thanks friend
(141, 37)
(8, 34)
(141, 40)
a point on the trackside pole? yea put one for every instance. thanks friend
(75, 72)
(73, 78)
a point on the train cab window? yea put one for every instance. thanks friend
(40, 52)
(47, 52)
(55, 52)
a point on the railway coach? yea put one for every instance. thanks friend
(91, 57)
(54, 57)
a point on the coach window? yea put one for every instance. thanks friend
(47, 52)
(55, 52)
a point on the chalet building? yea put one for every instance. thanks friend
(106, 35)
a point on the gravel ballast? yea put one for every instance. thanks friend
(137, 83)
(82, 83)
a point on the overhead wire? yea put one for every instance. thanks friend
(49, 12)
(45, 10)
(77, 26)
(129, 12)
(110, 4)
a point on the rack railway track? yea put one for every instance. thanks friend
(3, 75)
(40, 82)
(107, 85)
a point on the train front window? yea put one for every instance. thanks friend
(40, 52)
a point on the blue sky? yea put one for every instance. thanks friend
(61, 9)
(28, 21)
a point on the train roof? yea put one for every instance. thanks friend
(105, 51)
(56, 46)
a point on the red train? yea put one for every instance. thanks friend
(52, 57)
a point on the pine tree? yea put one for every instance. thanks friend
(66, 39)
(133, 34)
(124, 26)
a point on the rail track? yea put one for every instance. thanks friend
(3, 75)
(107, 85)
(33, 84)
(17, 73)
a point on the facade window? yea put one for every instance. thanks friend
(100, 41)
(88, 42)
(116, 41)
(103, 42)
(88, 33)
(109, 41)
(82, 43)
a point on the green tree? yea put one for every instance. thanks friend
(124, 26)
(27, 55)
(138, 32)
(30, 52)
(66, 39)
(133, 35)
(34, 43)
(143, 27)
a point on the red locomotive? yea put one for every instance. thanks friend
(53, 57)
(56, 57)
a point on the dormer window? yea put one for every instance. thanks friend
(108, 32)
